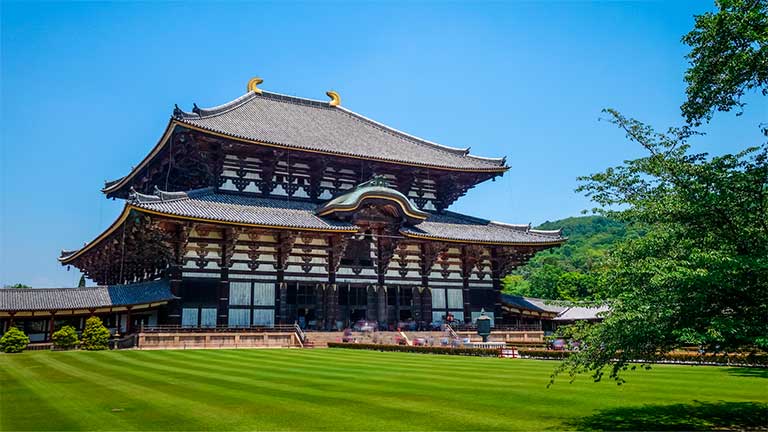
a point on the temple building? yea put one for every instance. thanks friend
(273, 209)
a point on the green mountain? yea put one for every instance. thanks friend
(570, 272)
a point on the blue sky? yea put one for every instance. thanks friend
(87, 89)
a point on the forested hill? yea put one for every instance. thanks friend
(567, 272)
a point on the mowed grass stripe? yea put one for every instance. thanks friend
(29, 399)
(120, 388)
(401, 403)
(198, 393)
(515, 387)
(302, 387)
(281, 393)
(552, 397)
(331, 389)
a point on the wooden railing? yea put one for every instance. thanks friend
(452, 333)
(300, 335)
(501, 327)
(173, 328)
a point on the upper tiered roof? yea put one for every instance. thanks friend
(312, 125)
(274, 120)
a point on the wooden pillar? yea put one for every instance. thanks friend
(174, 306)
(382, 303)
(222, 306)
(496, 279)
(283, 306)
(284, 245)
(397, 303)
(333, 289)
(381, 270)
(466, 272)
(51, 325)
(332, 299)
(175, 273)
(128, 326)
(320, 305)
(426, 304)
(416, 306)
(278, 304)
(371, 313)
(424, 292)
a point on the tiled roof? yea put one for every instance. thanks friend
(564, 311)
(582, 313)
(530, 304)
(317, 126)
(32, 299)
(209, 205)
(458, 227)
(239, 209)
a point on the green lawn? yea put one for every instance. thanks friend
(327, 389)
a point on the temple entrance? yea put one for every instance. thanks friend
(306, 318)
(356, 315)
(353, 303)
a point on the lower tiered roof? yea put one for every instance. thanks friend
(57, 299)
(208, 205)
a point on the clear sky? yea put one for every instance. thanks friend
(87, 89)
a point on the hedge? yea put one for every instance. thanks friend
(686, 357)
(478, 352)
(759, 360)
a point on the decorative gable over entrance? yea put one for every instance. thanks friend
(373, 197)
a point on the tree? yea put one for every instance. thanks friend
(65, 337)
(699, 275)
(14, 341)
(18, 285)
(575, 286)
(544, 283)
(729, 57)
(95, 336)
(81, 283)
(569, 272)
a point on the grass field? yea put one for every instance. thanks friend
(327, 389)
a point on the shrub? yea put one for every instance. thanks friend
(95, 336)
(65, 338)
(14, 341)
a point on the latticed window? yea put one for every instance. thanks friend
(305, 295)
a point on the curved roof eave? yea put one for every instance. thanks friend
(116, 185)
(68, 257)
(498, 169)
(405, 205)
(557, 242)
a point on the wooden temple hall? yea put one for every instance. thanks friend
(274, 209)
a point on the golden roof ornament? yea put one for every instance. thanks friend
(253, 83)
(335, 98)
